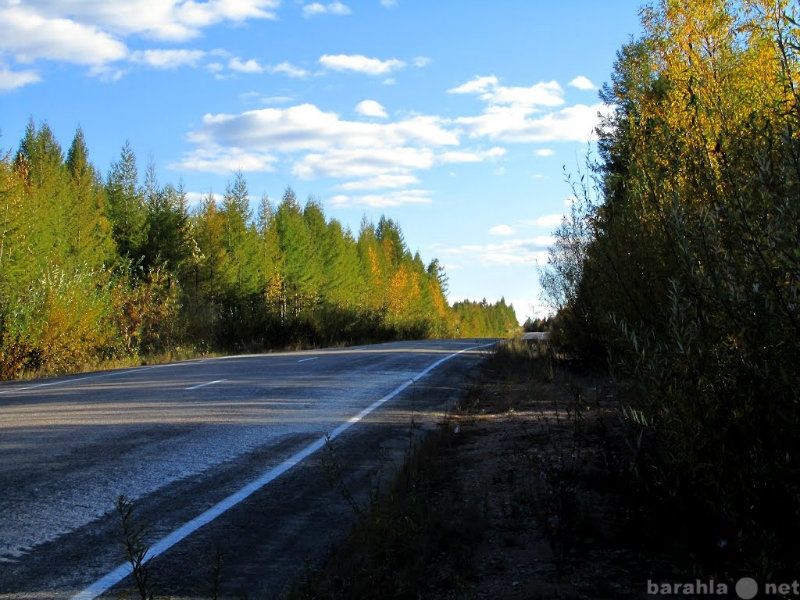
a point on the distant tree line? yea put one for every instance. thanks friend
(96, 268)
(681, 263)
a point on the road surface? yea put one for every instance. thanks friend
(222, 456)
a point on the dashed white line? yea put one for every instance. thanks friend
(207, 383)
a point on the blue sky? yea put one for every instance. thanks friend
(454, 118)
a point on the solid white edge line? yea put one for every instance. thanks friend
(118, 574)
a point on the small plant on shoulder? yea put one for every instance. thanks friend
(134, 547)
(333, 468)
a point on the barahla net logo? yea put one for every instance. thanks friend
(746, 589)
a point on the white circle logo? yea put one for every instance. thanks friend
(746, 588)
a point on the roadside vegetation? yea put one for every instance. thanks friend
(106, 270)
(680, 268)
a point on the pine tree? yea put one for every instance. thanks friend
(126, 207)
(91, 242)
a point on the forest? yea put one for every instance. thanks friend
(99, 270)
(680, 266)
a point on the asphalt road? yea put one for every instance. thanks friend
(221, 457)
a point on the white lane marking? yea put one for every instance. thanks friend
(97, 376)
(207, 383)
(114, 577)
(76, 380)
(308, 359)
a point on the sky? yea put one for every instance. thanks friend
(458, 119)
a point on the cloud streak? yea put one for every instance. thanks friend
(523, 251)
(358, 63)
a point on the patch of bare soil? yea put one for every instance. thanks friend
(536, 451)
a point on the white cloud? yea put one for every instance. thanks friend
(526, 114)
(385, 200)
(306, 127)
(11, 80)
(289, 70)
(322, 144)
(388, 3)
(168, 59)
(364, 162)
(545, 93)
(360, 64)
(511, 252)
(479, 85)
(173, 20)
(549, 221)
(29, 36)
(371, 108)
(316, 9)
(461, 156)
(225, 160)
(383, 181)
(545, 152)
(502, 230)
(572, 123)
(245, 66)
(93, 32)
(582, 83)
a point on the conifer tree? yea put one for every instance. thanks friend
(91, 243)
(126, 207)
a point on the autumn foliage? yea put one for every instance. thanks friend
(681, 262)
(121, 268)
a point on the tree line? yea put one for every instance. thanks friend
(680, 263)
(97, 268)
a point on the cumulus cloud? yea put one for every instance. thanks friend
(11, 80)
(93, 33)
(364, 155)
(173, 20)
(168, 59)
(512, 124)
(547, 93)
(582, 83)
(245, 66)
(519, 114)
(307, 127)
(29, 36)
(359, 63)
(371, 108)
